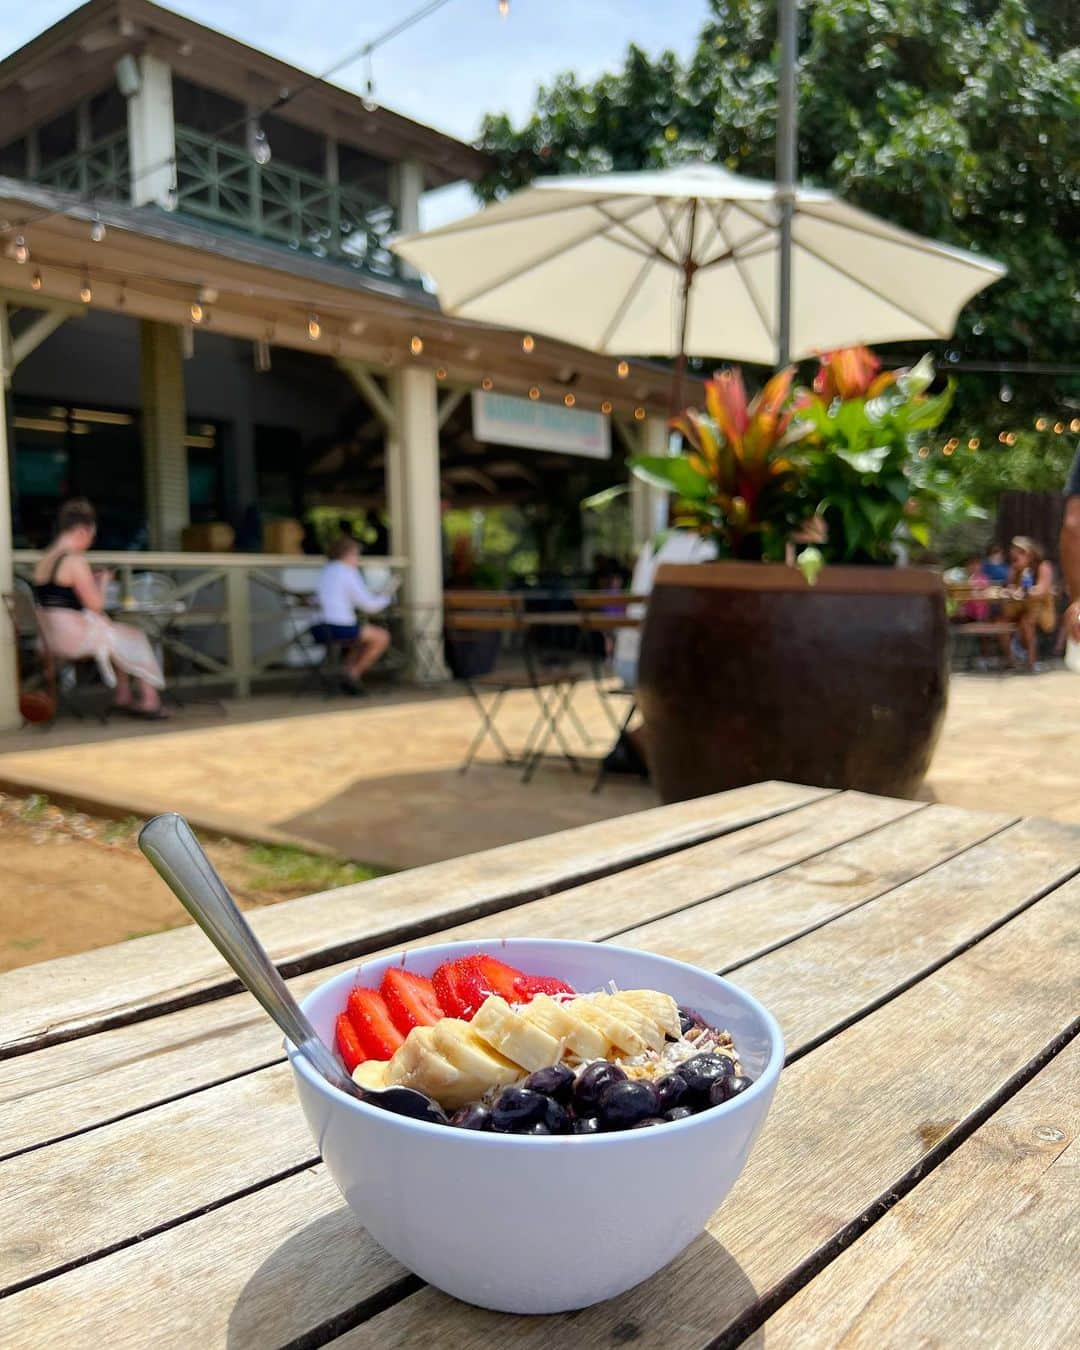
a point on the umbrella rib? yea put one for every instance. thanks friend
(927, 246)
(762, 315)
(653, 250)
(624, 304)
(733, 249)
(477, 221)
(888, 300)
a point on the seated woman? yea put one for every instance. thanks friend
(1030, 598)
(342, 594)
(70, 602)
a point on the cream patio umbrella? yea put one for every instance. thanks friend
(684, 261)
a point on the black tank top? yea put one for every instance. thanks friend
(51, 595)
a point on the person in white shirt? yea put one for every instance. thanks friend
(343, 594)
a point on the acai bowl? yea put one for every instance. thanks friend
(537, 1221)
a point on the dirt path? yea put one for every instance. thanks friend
(72, 881)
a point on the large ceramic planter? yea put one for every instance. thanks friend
(748, 673)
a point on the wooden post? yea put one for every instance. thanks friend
(415, 501)
(151, 135)
(238, 601)
(9, 678)
(164, 425)
(408, 187)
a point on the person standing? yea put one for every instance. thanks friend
(343, 594)
(1069, 549)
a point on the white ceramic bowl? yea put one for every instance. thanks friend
(542, 1225)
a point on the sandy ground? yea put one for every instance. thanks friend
(380, 783)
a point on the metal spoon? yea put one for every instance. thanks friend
(179, 859)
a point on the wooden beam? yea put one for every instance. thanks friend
(373, 396)
(449, 404)
(31, 337)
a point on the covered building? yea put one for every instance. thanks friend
(200, 320)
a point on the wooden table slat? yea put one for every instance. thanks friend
(264, 1102)
(233, 1035)
(43, 1003)
(1000, 1214)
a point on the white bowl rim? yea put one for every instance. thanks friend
(488, 1138)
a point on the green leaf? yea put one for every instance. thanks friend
(920, 532)
(864, 461)
(926, 416)
(672, 473)
(599, 500)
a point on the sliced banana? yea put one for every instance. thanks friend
(558, 1020)
(419, 1065)
(373, 1074)
(511, 1035)
(480, 1066)
(620, 1035)
(645, 1026)
(661, 1009)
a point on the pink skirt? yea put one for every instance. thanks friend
(82, 635)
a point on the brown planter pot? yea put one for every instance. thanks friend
(749, 673)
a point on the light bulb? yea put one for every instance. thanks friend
(622, 369)
(440, 374)
(534, 393)
(1074, 425)
(639, 414)
(1010, 439)
(528, 343)
(1005, 393)
(35, 282)
(973, 444)
(1041, 424)
(504, 8)
(1059, 427)
(569, 400)
(21, 251)
(487, 384)
(314, 327)
(605, 407)
(260, 147)
(948, 448)
(97, 230)
(1003, 436)
(416, 345)
(197, 312)
(368, 101)
(924, 451)
(86, 294)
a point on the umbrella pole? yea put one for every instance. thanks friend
(689, 267)
(786, 156)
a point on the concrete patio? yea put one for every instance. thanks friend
(379, 781)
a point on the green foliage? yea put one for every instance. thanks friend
(955, 118)
(282, 864)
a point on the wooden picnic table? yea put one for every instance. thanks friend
(915, 1183)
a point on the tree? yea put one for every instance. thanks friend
(959, 119)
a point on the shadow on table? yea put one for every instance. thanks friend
(298, 1294)
(408, 819)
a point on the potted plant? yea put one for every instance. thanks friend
(834, 671)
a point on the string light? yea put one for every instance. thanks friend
(1010, 439)
(1074, 425)
(97, 230)
(622, 369)
(35, 282)
(314, 327)
(1003, 436)
(948, 448)
(86, 293)
(487, 384)
(1059, 427)
(260, 146)
(1042, 423)
(924, 452)
(440, 374)
(605, 407)
(639, 414)
(534, 393)
(197, 312)
(416, 345)
(973, 444)
(21, 251)
(569, 400)
(528, 343)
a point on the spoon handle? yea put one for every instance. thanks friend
(178, 857)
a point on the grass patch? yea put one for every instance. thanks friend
(34, 807)
(285, 865)
(113, 831)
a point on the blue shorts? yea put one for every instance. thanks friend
(335, 632)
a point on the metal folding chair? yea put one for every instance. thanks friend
(470, 621)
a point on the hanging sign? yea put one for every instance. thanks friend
(506, 420)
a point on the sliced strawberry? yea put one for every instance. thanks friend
(348, 1043)
(497, 977)
(526, 987)
(374, 1028)
(458, 988)
(411, 999)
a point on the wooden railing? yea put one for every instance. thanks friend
(237, 625)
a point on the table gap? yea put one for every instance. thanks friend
(404, 933)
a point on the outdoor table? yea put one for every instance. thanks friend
(915, 1182)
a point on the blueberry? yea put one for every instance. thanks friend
(671, 1089)
(591, 1082)
(678, 1113)
(701, 1072)
(586, 1125)
(516, 1109)
(740, 1083)
(688, 1020)
(538, 1128)
(404, 1101)
(556, 1117)
(556, 1082)
(725, 1088)
(624, 1104)
(472, 1118)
